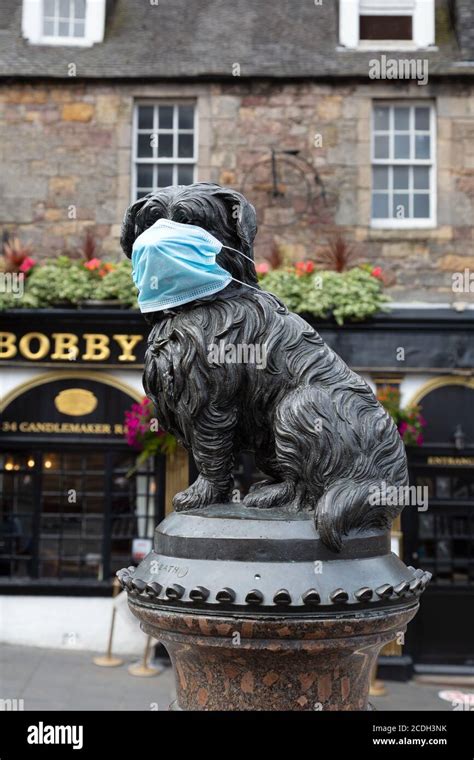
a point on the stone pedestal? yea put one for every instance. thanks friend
(257, 614)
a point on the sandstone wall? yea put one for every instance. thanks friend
(66, 166)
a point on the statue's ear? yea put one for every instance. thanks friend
(243, 213)
(129, 233)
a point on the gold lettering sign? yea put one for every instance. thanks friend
(97, 347)
(61, 347)
(75, 402)
(457, 461)
(127, 343)
(65, 346)
(78, 428)
(8, 347)
(26, 350)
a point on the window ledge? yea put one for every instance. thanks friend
(64, 41)
(397, 234)
(405, 224)
(391, 46)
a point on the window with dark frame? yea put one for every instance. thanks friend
(72, 516)
(446, 531)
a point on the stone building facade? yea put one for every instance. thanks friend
(67, 157)
(265, 81)
(66, 142)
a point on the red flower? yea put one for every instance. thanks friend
(27, 264)
(304, 267)
(92, 264)
(377, 272)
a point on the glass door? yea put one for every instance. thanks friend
(441, 540)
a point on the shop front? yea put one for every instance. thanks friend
(74, 509)
(429, 355)
(441, 538)
(71, 508)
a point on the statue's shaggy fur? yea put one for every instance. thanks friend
(316, 428)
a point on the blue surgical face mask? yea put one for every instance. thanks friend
(173, 264)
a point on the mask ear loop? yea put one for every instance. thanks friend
(237, 251)
(248, 259)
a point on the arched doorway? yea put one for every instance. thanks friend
(441, 538)
(69, 506)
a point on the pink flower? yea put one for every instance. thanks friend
(419, 440)
(402, 428)
(137, 424)
(263, 268)
(27, 264)
(377, 272)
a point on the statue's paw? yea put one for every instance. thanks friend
(200, 494)
(273, 496)
(261, 484)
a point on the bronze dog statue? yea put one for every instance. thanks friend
(316, 429)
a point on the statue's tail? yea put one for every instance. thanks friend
(343, 452)
(347, 505)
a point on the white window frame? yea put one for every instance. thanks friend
(32, 25)
(411, 223)
(155, 161)
(422, 11)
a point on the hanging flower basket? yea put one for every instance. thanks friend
(409, 420)
(144, 435)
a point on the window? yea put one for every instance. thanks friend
(63, 22)
(64, 18)
(385, 28)
(403, 180)
(446, 533)
(71, 516)
(164, 146)
(385, 24)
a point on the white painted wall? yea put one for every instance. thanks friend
(131, 378)
(66, 622)
(408, 386)
(12, 377)
(411, 385)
